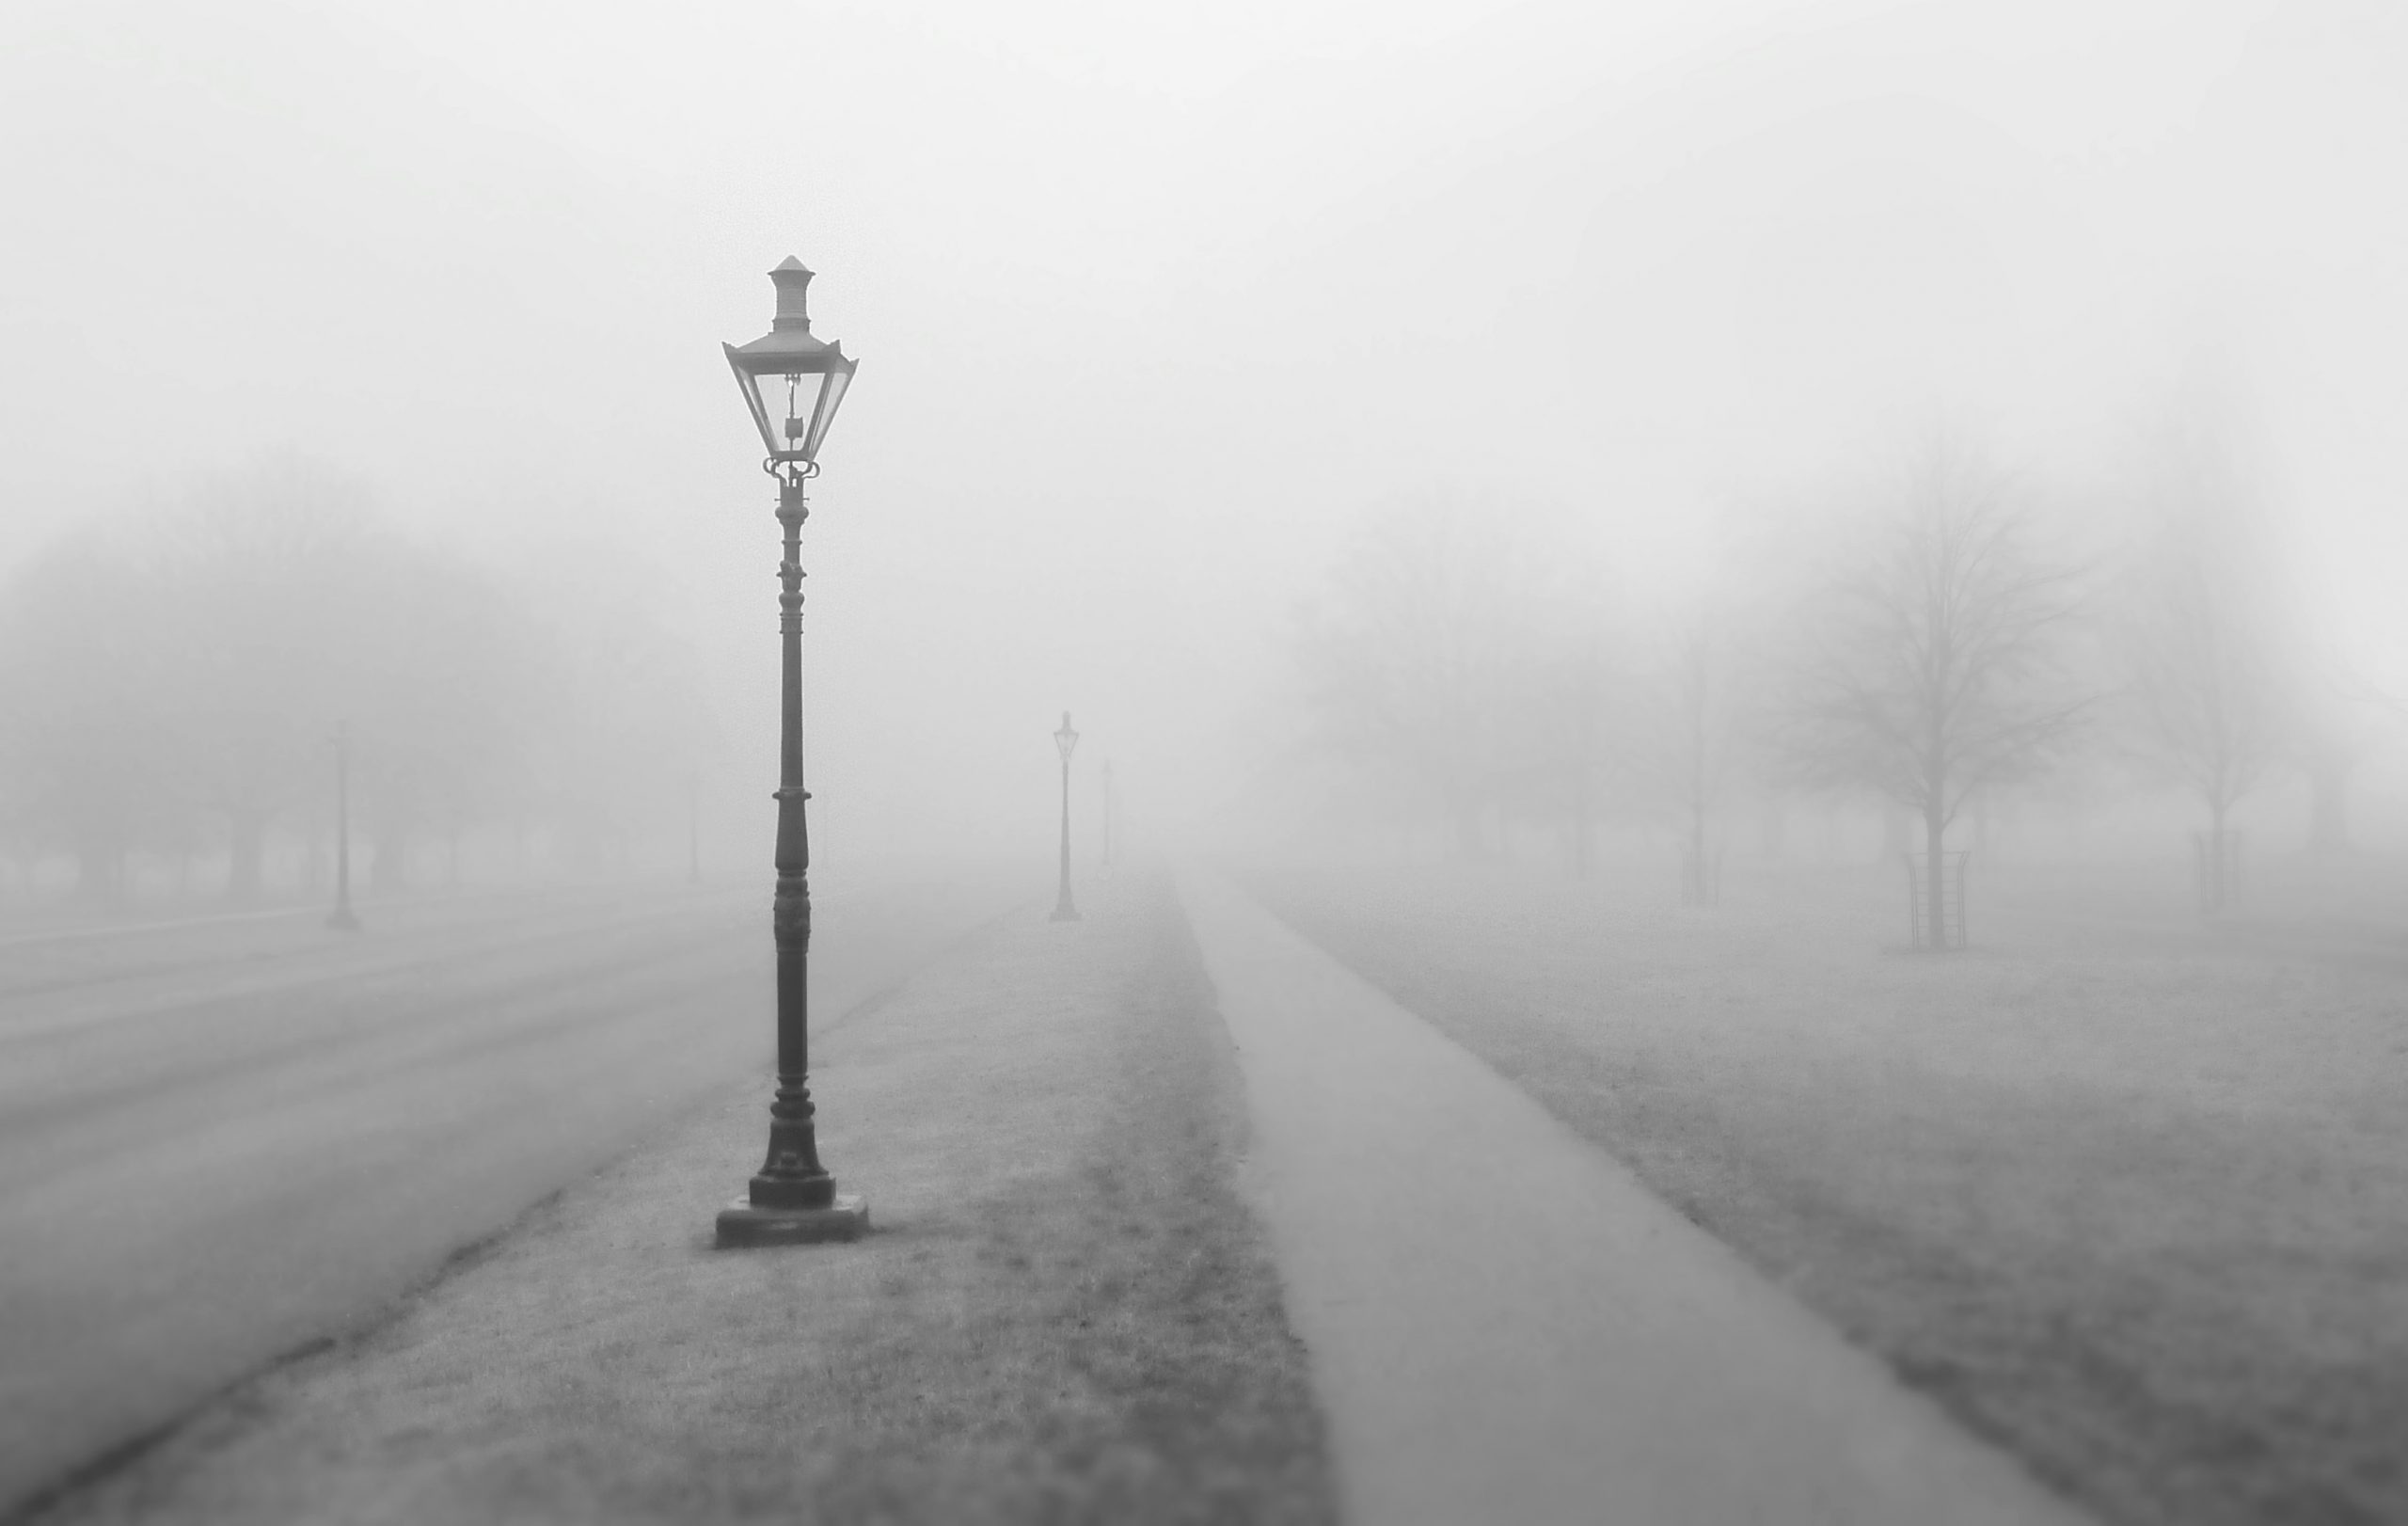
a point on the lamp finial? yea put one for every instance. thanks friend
(793, 281)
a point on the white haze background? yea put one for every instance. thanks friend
(1152, 303)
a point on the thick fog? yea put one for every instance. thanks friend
(1578, 542)
(1157, 311)
(1157, 308)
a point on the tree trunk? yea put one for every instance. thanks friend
(1935, 828)
(2214, 897)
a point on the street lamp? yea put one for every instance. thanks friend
(694, 828)
(342, 919)
(1068, 741)
(792, 384)
(1107, 817)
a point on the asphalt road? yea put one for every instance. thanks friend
(222, 1141)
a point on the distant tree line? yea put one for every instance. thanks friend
(172, 683)
(1936, 639)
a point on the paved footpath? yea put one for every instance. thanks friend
(1505, 1328)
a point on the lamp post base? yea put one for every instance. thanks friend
(1066, 913)
(343, 921)
(742, 1223)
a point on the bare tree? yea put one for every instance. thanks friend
(1561, 717)
(1686, 727)
(1588, 688)
(1425, 656)
(172, 679)
(2339, 719)
(81, 647)
(448, 700)
(2202, 641)
(1929, 665)
(255, 569)
(1697, 718)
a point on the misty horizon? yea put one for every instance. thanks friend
(1564, 761)
(1130, 392)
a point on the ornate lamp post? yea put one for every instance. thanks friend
(1068, 741)
(792, 383)
(342, 919)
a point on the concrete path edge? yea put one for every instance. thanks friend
(1506, 1326)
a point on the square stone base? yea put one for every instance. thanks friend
(742, 1224)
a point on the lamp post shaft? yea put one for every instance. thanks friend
(792, 1177)
(1065, 908)
(343, 919)
(693, 829)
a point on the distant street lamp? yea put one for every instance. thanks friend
(342, 919)
(693, 829)
(792, 384)
(1068, 741)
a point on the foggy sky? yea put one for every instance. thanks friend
(1153, 302)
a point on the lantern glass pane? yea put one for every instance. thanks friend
(787, 403)
(794, 409)
(833, 395)
(750, 385)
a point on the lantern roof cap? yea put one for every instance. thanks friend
(789, 340)
(789, 347)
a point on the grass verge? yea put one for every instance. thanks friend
(2134, 1207)
(1063, 1313)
